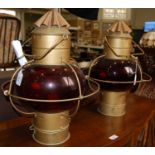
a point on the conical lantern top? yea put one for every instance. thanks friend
(52, 18)
(120, 27)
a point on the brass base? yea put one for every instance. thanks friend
(113, 103)
(51, 129)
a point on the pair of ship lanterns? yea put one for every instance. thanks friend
(50, 86)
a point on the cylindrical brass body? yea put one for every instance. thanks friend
(51, 129)
(118, 46)
(44, 38)
(113, 103)
(121, 44)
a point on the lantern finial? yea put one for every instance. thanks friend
(52, 18)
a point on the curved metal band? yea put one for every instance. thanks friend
(125, 82)
(142, 51)
(121, 82)
(80, 97)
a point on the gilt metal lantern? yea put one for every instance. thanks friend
(117, 70)
(51, 85)
(147, 42)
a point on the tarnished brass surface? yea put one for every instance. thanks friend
(51, 129)
(52, 30)
(46, 37)
(121, 44)
(113, 103)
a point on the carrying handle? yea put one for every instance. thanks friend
(135, 54)
(142, 51)
(65, 37)
(149, 78)
(113, 51)
(8, 92)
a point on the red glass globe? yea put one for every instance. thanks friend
(113, 72)
(45, 82)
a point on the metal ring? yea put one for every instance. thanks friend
(9, 93)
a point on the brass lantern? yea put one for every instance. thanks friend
(117, 70)
(51, 85)
(147, 42)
